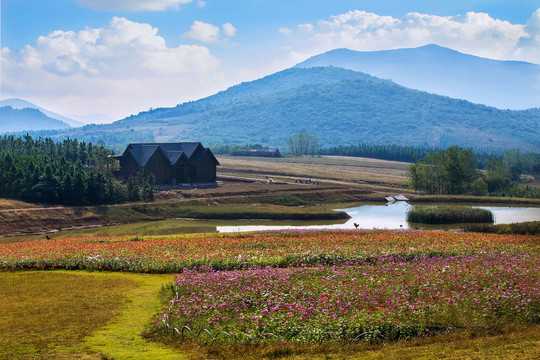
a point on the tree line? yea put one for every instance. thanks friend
(516, 162)
(68, 172)
(454, 171)
(384, 152)
(239, 150)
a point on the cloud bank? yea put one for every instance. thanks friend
(123, 62)
(472, 33)
(133, 5)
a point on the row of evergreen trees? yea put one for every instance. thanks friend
(384, 152)
(515, 161)
(68, 172)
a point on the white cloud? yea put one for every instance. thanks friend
(203, 32)
(529, 46)
(201, 4)
(119, 69)
(121, 49)
(473, 33)
(285, 31)
(229, 30)
(208, 33)
(134, 5)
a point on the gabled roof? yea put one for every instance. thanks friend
(176, 156)
(187, 147)
(142, 152)
(200, 155)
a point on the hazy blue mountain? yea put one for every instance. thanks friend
(340, 106)
(22, 104)
(27, 119)
(96, 118)
(439, 70)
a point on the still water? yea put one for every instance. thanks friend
(392, 216)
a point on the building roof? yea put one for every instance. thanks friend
(142, 152)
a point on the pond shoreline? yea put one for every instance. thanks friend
(149, 216)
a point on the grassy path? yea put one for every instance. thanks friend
(121, 338)
(68, 315)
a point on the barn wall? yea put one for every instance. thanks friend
(128, 167)
(128, 163)
(206, 169)
(160, 167)
(180, 173)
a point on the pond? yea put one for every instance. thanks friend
(393, 216)
(389, 216)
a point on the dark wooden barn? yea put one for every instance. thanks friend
(171, 163)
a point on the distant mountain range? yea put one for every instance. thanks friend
(439, 70)
(27, 119)
(340, 106)
(23, 104)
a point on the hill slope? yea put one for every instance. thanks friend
(12, 120)
(435, 69)
(340, 106)
(22, 104)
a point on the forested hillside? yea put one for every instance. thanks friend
(342, 107)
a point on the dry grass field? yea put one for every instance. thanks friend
(333, 169)
(246, 192)
(44, 310)
(7, 204)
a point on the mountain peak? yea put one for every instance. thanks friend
(17, 103)
(443, 71)
(27, 119)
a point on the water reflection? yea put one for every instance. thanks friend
(393, 216)
(508, 215)
(389, 216)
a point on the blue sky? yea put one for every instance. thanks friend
(119, 57)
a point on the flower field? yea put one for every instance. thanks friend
(173, 254)
(354, 302)
(316, 286)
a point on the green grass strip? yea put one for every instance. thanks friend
(121, 338)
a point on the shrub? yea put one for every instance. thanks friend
(448, 215)
(526, 228)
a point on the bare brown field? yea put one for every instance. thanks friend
(334, 169)
(8, 204)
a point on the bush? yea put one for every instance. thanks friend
(448, 215)
(526, 228)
